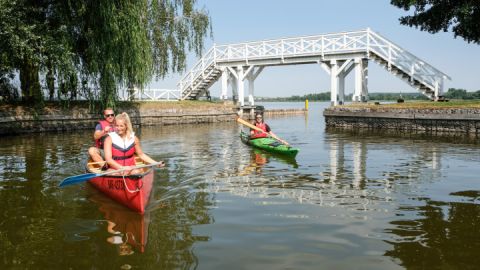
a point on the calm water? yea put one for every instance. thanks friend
(348, 201)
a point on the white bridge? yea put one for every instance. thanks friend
(338, 54)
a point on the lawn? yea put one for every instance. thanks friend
(451, 104)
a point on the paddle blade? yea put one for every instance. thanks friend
(77, 179)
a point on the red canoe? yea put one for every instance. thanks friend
(132, 191)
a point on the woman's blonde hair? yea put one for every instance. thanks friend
(126, 119)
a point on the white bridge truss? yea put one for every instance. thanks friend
(338, 54)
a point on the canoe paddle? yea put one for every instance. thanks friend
(241, 121)
(87, 176)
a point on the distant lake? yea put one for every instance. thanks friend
(349, 200)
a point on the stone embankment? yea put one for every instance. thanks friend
(441, 120)
(271, 112)
(22, 119)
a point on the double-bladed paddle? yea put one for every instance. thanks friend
(87, 176)
(241, 121)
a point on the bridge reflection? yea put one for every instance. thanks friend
(360, 174)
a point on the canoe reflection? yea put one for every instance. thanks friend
(259, 158)
(128, 230)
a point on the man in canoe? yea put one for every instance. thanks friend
(266, 131)
(102, 129)
(122, 146)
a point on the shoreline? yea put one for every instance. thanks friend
(54, 118)
(431, 118)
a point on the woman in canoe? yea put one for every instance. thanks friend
(266, 131)
(122, 146)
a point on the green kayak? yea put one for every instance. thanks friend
(269, 144)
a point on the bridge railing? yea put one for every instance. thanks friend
(197, 70)
(404, 60)
(301, 46)
(153, 94)
(123, 94)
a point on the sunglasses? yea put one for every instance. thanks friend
(108, 115)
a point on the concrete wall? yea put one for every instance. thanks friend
(428, 120)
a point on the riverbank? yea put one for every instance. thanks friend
(17, 119)
(23, 119)
(432, 117)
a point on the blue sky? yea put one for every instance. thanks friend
(253, 20)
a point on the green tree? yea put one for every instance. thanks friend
(97, 46)
(454, 93)
(462, 17)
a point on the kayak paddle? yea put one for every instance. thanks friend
(87, 176)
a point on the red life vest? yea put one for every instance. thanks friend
(259, 134)
(123, 151)
(103, 124)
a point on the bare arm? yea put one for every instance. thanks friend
(100, 133)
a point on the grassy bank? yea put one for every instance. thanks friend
(452, 104)
(52, 107)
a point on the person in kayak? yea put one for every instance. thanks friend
(102, 129)
(122, 146)
(266, 131)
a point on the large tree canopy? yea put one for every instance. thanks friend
(462, 17)
(96, 46)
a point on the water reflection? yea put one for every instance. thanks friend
(127, 230)
(443, 236)
(348, 199)
(259, 158)
(424, 232)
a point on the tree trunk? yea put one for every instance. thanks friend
(30, 83)
(50, 82)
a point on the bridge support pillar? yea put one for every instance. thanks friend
(251, 75)
(236, 78)
(338, 70)
(251, 89)
(234, 84)
(333, 83)
(341, 88)
(225, 76)
(361, 80)
(240, 86)
(439, 88)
